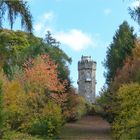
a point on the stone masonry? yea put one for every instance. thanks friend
(87, 78)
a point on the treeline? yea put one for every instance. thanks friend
(120, 97)
(36, 94)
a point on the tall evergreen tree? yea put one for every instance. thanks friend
(118, 50)
(59, 56)
(52, 42)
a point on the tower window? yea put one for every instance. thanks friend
(88, 77)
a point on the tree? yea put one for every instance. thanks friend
(135, 13)
(17, 47)
(119, 49)
(41, 75)
(59, 57)
(117, 55)
(13, 46)
(15, 8)
(130, 72)
(51, 41)
(29, 112)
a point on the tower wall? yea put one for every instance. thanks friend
(86, 78)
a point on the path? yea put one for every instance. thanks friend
(88, 128)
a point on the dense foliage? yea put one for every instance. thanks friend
(75, 107)
(119, 99)
(41, 74)
(119, 49)
(59, 57)
(36, 96)
(13, 47)
(14, 135)
(17, 47)
(127, 122)
(27, 108)
(1, 103)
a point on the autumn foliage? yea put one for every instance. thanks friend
(36, 95)
(32, 101)
(41, 74)
(120, 100)
(130, 72)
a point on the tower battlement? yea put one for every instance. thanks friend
(86, 63)
(86, 78)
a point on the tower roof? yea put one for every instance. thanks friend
(86, 58)
(86, 62)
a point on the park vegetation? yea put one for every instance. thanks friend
(119, 98)
(36, 94)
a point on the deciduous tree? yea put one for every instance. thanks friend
(41, 75)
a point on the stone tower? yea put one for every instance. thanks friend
(86, 78)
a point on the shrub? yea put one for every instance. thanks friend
(13, 135)
(26, 106)
(30, 112)
(14, 104)
(49, 121)
(1, 105)
(127, 122)
(106, 105)
(75, 107)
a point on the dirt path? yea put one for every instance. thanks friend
(88, 128)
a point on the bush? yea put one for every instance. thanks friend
(49, 121)
(95, 109)
(13, 135)
(1, 105)
(14, 104)
(30, 112)
(127, 122)
(81, 108)
(75, 107)
(107, 103)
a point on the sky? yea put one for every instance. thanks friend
(83, 27)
